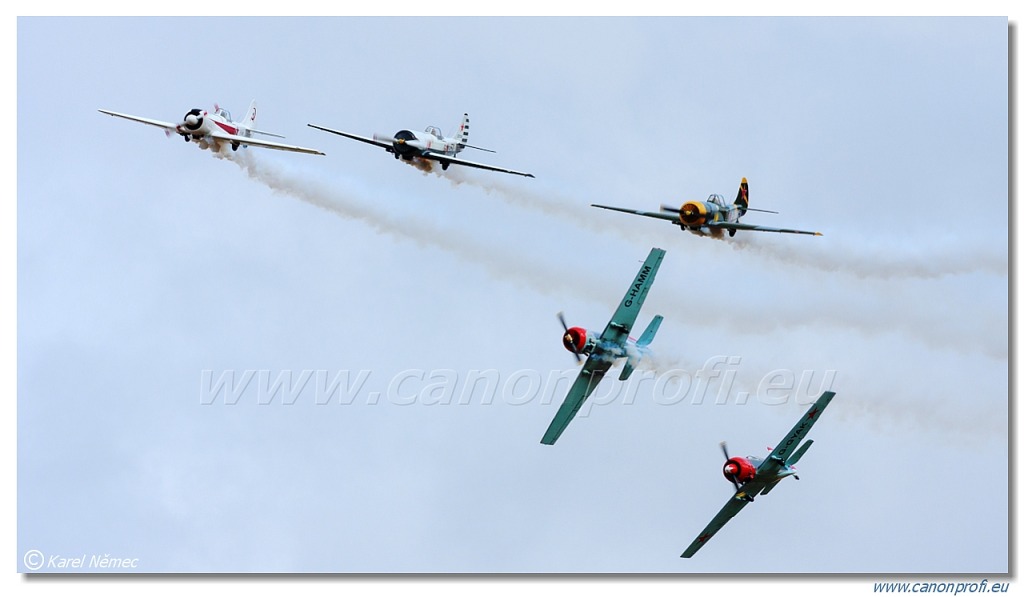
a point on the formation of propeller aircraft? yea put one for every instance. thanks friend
(598, 353)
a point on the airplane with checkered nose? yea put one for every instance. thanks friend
(752, 476)
(215, 130)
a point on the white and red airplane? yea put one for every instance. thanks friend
(429, 144)
(216, 129)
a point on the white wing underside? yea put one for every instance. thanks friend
(167, 126)
(454, 160)
(261, 143)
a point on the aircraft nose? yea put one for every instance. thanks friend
(730, 469)
(193, 119)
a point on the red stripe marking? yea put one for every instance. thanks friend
(228, 129)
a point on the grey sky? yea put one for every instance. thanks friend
(143, 262)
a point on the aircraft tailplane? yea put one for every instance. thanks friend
(652, 328)
(799, 453)
(743, 197)
(628, 368)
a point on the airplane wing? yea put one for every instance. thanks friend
(261, 143)
(383, 144)
(789, 444)
(167, 126)
(739, 226)
(593, 371)
(731, 508)
(454, 160)
(624, 317)
(661, 215)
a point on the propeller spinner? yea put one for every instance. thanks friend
(194, 119)
(400, 143)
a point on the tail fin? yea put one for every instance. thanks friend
(652, 328)
(249, 122)
(743, 197)
(462, 134)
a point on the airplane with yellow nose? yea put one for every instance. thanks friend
(711, 217)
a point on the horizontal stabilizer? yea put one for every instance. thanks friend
(627, 369)
(799, 453)
(652, 328)
(770, 486)
(266, 133)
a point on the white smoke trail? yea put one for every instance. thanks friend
(572, 211)
(942, 257)
(424, 166)
(347, 204)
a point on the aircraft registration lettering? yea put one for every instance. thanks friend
(792, 436)
(636, 287)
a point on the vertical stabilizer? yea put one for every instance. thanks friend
(249, 122)
(462, 134)
(743, 197)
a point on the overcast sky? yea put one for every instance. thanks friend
(150, 271)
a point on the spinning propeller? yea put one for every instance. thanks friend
(571, 341)
(400, 142)
(730, 470)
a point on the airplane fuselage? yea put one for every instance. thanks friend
(199, 124)
(586, 341)
(753, 479)
(695, 216)
(408, 144)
